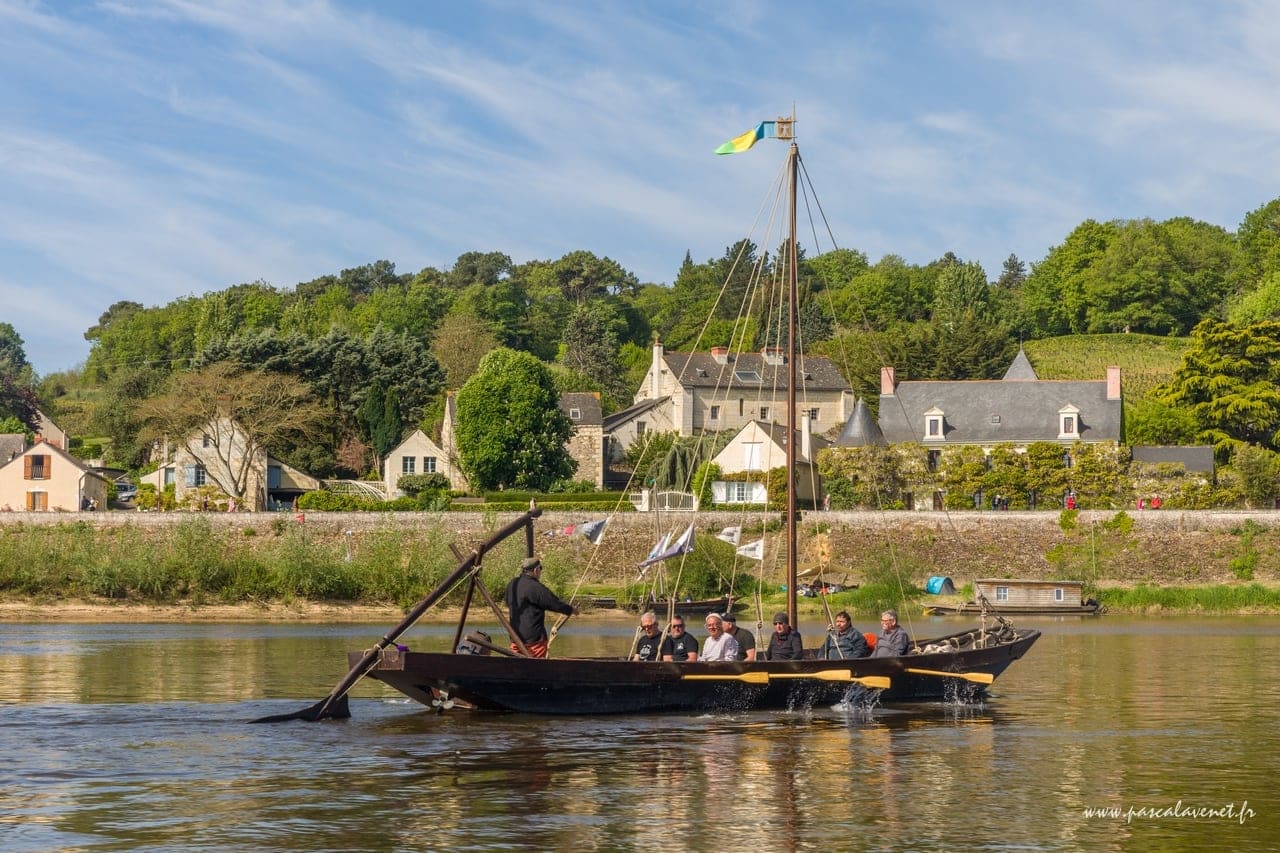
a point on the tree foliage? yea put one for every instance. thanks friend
(511, 432)
(227, 417)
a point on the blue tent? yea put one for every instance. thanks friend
(939, 585)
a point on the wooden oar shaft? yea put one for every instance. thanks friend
(371, 656)
(975, 677)
(875, 682)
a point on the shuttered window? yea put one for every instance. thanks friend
(37, 466)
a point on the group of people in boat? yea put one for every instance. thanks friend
(528, 601)
(728, 642)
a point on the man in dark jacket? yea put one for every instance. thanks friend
(527, 604)
(843, 642)
(785, 643)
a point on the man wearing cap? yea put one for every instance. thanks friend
(527, 604)
(746, 639)
(784, 643)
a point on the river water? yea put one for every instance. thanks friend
(134, 737)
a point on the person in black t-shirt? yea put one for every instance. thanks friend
(650, 639)
(679, 645)
(746, 639)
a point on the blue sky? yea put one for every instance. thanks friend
(152, 150)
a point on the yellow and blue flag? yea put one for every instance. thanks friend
(741, 143)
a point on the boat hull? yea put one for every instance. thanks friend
(569, 686)
(972, 609)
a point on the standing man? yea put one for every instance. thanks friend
(527, 604)
(785, 642)
(745, 639)
(893, 640)
(719, 645)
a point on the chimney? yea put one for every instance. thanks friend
(888, 384)
(1113, 383)
(772, 355)
(655, 372)
(720, 354)
(806, 437)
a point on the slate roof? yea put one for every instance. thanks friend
(621, 417)
(1197, 459)
(11, 444)
(588, 406)
(861, 430)
(1021, 368)
(701, 370)
(778, 434)
(991, 411)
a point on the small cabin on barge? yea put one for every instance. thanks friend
(1008, 595)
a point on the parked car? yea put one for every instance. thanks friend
(125, 491)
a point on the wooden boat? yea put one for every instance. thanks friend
(687, 607)
(954, 665)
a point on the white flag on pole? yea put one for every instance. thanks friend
(753, 550)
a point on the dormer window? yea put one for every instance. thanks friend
(1068, 422)
(575, 414)
(934, 428)
(747, 376)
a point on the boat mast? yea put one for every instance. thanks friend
(784, 128)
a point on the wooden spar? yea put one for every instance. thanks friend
(793, 162)
(326, 706)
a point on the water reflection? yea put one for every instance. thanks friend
(129, 737)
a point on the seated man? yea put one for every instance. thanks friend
(720, 645)
(745, 639)
(785, 642)
(893, 640)
(679, 646)
(650, 638)
(843, 643)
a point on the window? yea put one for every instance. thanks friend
(640, 428)
(747, 375)
(408, 465)
(738, 492)
(1058, 595)
(715, 413)
(37, 501)
(1002, 593)
(575, 414)
(764, 413)
(38, 467)
(428, 464)
(205, 440)
(751, 456)
(934, 457)
(1068, 422)
(995, 419)
(934, 428)
(813, 414)
(194, 475)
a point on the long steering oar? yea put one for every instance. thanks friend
(334, 705)
(875, 682)
(975, 677)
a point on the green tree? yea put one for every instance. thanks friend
(1259, 471)
(511, 432)
(1230, 382)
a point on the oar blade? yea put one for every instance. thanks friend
(874, 682)
(337, 710)
(975, 677)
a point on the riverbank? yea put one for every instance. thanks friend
(367, 567)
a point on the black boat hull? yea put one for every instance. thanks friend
(611, 686)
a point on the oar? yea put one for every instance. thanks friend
(334, 705)
(748, 677)
(875, 682)
(975, 677)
